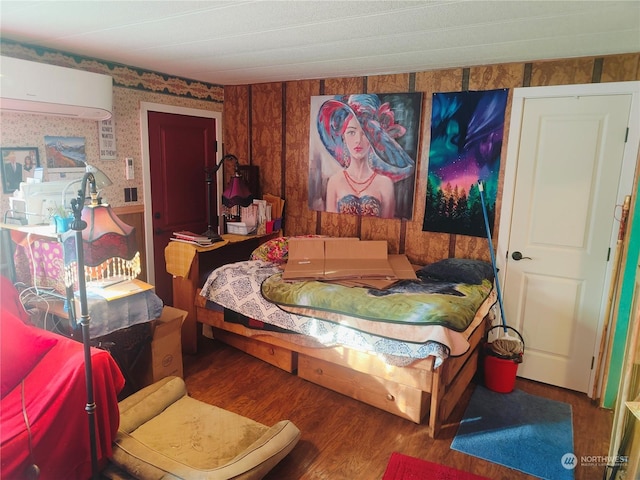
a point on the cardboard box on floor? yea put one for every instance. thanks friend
(345, 259)
(164, 356)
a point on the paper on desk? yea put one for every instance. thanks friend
(249, 215)
(277, 205)
(120, 290)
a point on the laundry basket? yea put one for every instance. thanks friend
(501, 361)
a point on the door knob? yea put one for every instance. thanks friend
(518, 256)
(158, 231)
(157, 215)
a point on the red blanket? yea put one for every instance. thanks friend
(55, 399)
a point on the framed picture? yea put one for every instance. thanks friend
(363, 152)
(65, 154)
(466, 145)
(18, 164)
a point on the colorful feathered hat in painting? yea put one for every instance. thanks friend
(378, 123)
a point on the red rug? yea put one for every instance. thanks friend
(403, 467)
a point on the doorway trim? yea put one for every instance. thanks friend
(625, 183)
(145, 108)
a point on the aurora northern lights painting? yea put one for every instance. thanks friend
(466, 143)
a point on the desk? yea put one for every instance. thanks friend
(121, 306)
(40, 263)
(47, 231)
(191, 264)
(120, 322)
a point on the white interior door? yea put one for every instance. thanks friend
(569, 158)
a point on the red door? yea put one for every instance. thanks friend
(180, 146)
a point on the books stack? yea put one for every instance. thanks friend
(190, 237)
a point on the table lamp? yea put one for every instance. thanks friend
(236, 193)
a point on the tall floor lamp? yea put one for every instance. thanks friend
(236, 193)
(105, 249)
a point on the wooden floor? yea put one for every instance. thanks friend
(343, 439)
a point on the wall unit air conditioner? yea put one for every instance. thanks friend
(39, 88)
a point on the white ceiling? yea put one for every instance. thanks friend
(244, 42)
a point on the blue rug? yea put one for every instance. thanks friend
(521, 431)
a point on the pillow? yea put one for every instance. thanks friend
(458, 270)
(274, 250)
(21, 348)
(10, 299)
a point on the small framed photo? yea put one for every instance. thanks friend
(18, 164)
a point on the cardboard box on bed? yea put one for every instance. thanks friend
(305, 259)
(337, 258)
(363, 259)
(401, 266)
(164, 356)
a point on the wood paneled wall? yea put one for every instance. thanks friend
(268, 125)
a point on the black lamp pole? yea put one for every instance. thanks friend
(78, 226)
(210, 173)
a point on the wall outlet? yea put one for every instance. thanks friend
(131, 194)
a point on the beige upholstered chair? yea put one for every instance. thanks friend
(165, 434)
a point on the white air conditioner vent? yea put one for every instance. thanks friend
(39, 88)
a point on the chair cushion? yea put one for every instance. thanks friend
(192, 439)
(149, 402)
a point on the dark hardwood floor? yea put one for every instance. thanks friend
(343, 439)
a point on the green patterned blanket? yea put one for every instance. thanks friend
(408, 310)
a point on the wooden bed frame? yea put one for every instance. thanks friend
(412, 392)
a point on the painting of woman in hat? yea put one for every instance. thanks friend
(369, 172)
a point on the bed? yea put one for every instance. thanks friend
(45, 372)
(406, 368)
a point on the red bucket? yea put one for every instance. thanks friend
(500, 374)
